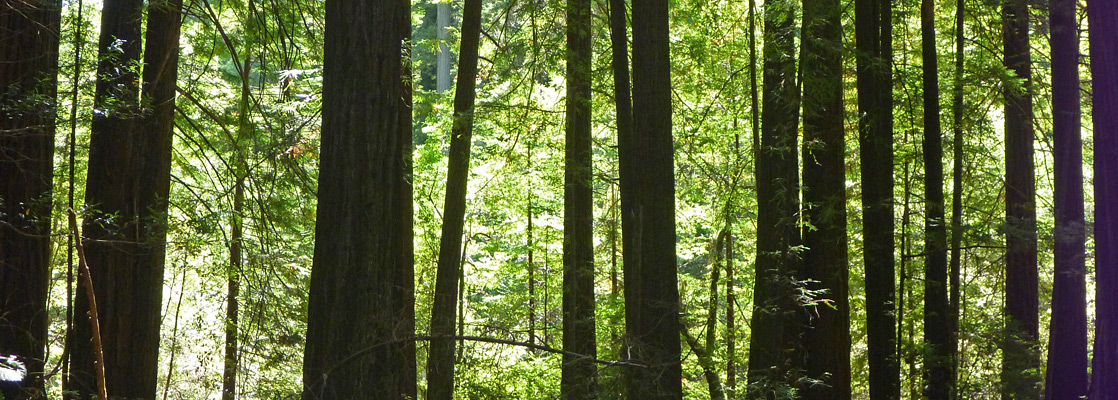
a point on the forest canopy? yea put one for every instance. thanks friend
(577, 199)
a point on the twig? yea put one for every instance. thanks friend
(83, 271)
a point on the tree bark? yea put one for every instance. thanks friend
(774, 341)
(28, 76)
(651, 292)
(127, 187)
(1067, 349)
(440, 360)
(873, 32)
(1021, 360)
(362, 282)
(937, 321)
(236, 241)
(1104, 75)
(827, 337)
(579, 380)
(955, 263)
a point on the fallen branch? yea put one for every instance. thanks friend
(95, 325)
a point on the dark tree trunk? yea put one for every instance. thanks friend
(627, 168)
(361, 316)
(127, 185)
(1067, 349)
(1021, 360)
(937, 315)
(873, 31)
(827, 338)
(957, 188)
(28, 77)
(1104, 75)
(579, 380)
(651, 292)
(774, 342)
(440, 360)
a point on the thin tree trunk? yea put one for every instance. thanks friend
(1104, 75)
(442, 61)
(1021, 361)
(1067, 349)
(937, 321)
(236, 244)
(827, 339)
(873, 32)
(731, 315)
(28, 76)
(957, 189)
(362, 280)
(440, 361)
(706, 362)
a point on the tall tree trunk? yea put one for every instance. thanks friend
(1021, 360)
(361, 316)
(873, 33)
(28, 76)
(236, 240)
(651, 291)
(937, 315)
(440, 360)
(1104, 75)
(1067, 349)
(579, 379)
(957, 189)
(731, 323)
(774, 342)
(128, 183)
(827, 338)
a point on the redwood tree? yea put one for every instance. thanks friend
(827, 340)
(440, 359)
(361, 316)
(28, 56)
(126, 190)
(1021, 360)
(651, 292)
(1067, 349)
(1104, 76)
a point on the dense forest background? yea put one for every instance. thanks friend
(272, 199)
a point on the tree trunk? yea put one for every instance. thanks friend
(957, 189)
(29, 56)
(1067, 349)
(442, 61)
(1021, 361)
(873, 31)
(236, 242)
(361, 316)
(1104, 75)
(937, 321)
(579, 379)
(128, 183)
(651, 292)
(827, 338)
(440, 360)
(775, 337)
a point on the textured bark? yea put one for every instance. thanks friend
(873, 34)
(827, 337)
(651, 292)
(442, 60)
(1067, 348)
(937, 315)
(126, 188)
(440, 359)
(774, 358)
(361, 316)
(28, 56)
(1021, 360)
(1104, 75)
(579, 379)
